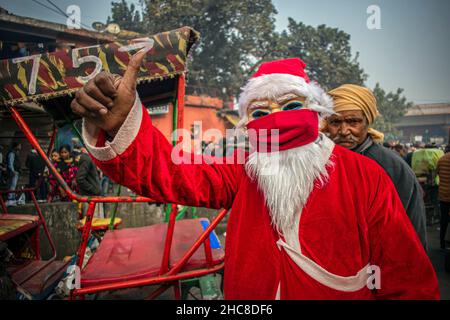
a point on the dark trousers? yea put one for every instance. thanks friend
(445, 209)
(37, 179)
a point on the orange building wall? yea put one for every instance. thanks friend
(197, 108)
(164, 123)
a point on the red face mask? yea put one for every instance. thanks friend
(283, 130)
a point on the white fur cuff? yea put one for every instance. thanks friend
(124, 137)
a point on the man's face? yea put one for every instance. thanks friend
(263, 107)
(348, 128)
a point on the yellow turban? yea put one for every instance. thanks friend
(350, 97)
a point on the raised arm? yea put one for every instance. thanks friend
(123, 142)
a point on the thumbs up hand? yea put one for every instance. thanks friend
(106, 100)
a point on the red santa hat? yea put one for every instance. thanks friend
(276, 78)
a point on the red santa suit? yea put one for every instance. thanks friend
(353, 224)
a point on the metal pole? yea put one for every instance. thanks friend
(85, 234)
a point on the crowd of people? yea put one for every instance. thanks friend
(73, 163)
(431, 165)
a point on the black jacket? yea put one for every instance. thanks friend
(88, 179)
(405, 181)
(35, 164)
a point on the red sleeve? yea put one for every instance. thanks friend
(146, 167)
(405, 269)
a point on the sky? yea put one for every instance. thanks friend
(411, 50)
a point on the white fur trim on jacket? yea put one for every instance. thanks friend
(124, 137)
(323, 276)
(271, 86)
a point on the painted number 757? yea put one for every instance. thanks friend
(77, 61)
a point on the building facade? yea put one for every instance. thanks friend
(426, 123)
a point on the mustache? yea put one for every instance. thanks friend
(348, 138)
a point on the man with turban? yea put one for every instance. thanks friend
(355, 110)
(309, 219)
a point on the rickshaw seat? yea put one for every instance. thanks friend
(99, 224)
(12, 225)
(44, 281)
(136, 253)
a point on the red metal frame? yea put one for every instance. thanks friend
(167, 277)
(35, 238)
(168, 242)
(52, 141)
(38, 209)
(180, 98)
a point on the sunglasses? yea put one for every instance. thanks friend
(291, 105)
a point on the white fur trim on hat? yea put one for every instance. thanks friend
(271, 86)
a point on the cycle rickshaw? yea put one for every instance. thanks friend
(161, 254)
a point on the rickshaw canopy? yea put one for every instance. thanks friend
(50, 80)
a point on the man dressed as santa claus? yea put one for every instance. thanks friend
(309, 219)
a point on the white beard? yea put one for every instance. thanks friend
(287, 178)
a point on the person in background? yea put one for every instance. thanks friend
(23, 51)
(410, 150)
(355, 110)
(53, 193)
(13, 169)
(211, 149)
(68, 170)
(2, 167)
(424, 163)
(88, 179)
(76, 147)
(105, 184)
(443, 171)
(54, 156)
(36, 167)
(387, 145)
(400, 150)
